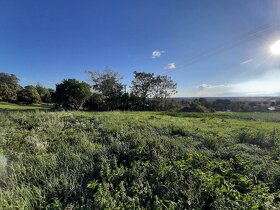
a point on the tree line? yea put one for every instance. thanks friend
(225, 105)
(105, 92)
(11, 91)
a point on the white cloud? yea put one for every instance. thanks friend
(171, 66)
(157, 53)
(214, 90)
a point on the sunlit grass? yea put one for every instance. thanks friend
(115, 160)
(11, 106)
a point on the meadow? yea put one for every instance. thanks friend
(4, 106)
(139, 160)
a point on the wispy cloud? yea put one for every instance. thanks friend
(171, 66)
(246, 61)
(157, 53)
(203, 87)
(214, 90)
(267, 85)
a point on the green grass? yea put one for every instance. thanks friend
(139, 160)
(252, 116)
(17, 107)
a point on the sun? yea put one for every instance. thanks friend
(275, 48)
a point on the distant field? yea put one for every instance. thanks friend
(255, 116)
(13, 107)
(139, 160)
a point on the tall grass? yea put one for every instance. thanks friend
(135, 160)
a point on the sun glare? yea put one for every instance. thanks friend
(275, 48)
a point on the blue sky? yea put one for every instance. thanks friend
(199, 43)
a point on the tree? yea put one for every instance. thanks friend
(107, 83)
(9, 79)
(163, 88)
(95, 102)
(44, 93)
(143, 86)
(71, 94)
(8, 87)
(28, 95)
(7, 93)
(148, 86)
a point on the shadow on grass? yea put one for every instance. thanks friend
(26, 110)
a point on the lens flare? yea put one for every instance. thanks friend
(275, 48)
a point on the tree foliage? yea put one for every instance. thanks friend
(44, 93)
(143, 85)
(8, 87)
(148, 86)
(28, 95)
(107, 83)
(226, 105)
(9, 79)
(147, 92)
(7, 93)
(71, 94)
(164, 87)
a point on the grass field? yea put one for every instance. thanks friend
(252, 116)
(14, 107)
(139, 160)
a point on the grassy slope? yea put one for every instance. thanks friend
(187, 160)
(11, 107)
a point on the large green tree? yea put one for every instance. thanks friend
(71, 94)
(8, 87)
